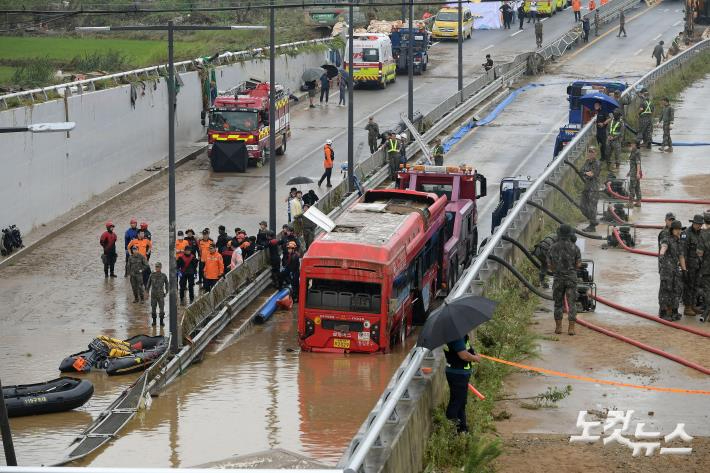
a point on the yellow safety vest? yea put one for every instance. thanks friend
(647, 108)
(394, 146)
(614, 127)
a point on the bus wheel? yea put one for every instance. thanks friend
(282, 149)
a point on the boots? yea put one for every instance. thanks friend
(689, 311)
(570, 327)
(666, 313)
(704, 317)
(154, 321)
(162, 320)
(558, 326)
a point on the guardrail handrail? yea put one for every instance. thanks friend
(80, 84)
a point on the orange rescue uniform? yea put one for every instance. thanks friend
(180, 246)
(576, 5)
(327, 157)
(214, 266)
(204, 246)
(144, 246)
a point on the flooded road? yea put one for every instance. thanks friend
(252, 394)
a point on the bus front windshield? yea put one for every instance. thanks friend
(346, 296)
(223, 120)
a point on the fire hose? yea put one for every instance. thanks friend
(561, 222)
(635, 225)
(612, 193)
(522, 248)
(564, 193)
(576, 169)
(628, 248)
(602, 330)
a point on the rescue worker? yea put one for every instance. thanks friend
(577, 8)
(137, 265)
(262, 236)
(328, 158)
(521, 14)
(373, 132)
(645, 118)
(227, 254)
(203, 246)
(671, 265)
(592, 5)
(144, 245)
(704, 255)
(109, 256)
(565, 260)
(488, 65)
(309, 230)
(603, 121)
(667, 120)
(192, 241)
(213, 268)
(147, 234)
(129, 236)
(616, 128)
(274, 258)
(288, 236)
(538, 34)
(542, 252)
(290, 269)
(403, 141)
(635, 174)
(585, 29)
(691, 242)
(187, 267)
(666, 231)
(393, 153)
(622, 24)
(438, 152)
(590, 197)
(157, 288)
(658, 53)
(222, 238)
(596, 22)
(180, 243)
(459, 356)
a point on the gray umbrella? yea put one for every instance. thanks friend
(294, 181)
(453, 320)
(312, 73)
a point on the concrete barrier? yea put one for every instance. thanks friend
(46, 175)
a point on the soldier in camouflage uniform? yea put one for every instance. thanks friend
(590, 196)
(671, 265)
(542, 252)
(565, 259)
(667, 121)
(645, 119)
(615, 136)
(635, 174)
(158, 287)
(691, 239)
(136, 265)
(665, 233)
(703, 252)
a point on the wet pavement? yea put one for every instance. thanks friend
(631, 280)
(313, 403)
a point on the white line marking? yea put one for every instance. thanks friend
(657, 37)
(434, 44)
(638, 52)
(517, 32)
(545, 19)
(677, 22)
(488, 47)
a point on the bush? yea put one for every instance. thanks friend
(110, 61)
(36, 73)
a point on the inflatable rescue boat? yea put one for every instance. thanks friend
(57, 395)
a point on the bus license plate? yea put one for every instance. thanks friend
(341, 343)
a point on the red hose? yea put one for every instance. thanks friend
(648, 225)
(657, 201)
(628, 248)
(644, 346)
(616, 217)
(636, 225)
(650, 317)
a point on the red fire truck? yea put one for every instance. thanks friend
(458, 185)
(366, 282)
(242, 114)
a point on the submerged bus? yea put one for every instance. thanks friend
(366, 282)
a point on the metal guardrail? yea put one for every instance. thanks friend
(90, 469)
(89, 85)
(360, 447)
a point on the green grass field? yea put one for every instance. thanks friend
(6, 73)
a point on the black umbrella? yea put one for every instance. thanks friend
(330, 69)
(294, 181)
(453, 320)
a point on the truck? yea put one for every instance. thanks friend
(241, 114)
(400, 38)
(578, 114)
(462, 186)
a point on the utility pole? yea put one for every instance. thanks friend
(172, 103)
(460, 50)
(410, 60)
(272, 120)
(351, 119)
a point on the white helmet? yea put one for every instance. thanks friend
(329, 142)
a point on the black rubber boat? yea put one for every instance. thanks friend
(116, 356)
(57, 395)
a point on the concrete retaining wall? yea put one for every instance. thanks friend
(46, 175)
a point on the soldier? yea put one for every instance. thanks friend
(671, 263)
(704, 255)
(393, 153)
(622, 23)
(538, 34)
(590, 196)
(596, 22)
(542, 252)
(565, 259)
(616, 127)
(438, 153)
(158, 287)
(667, 121)
(645, 117)
(137, 264)
(691, 240)
(635, 174)
(665, 233)
(373, 132)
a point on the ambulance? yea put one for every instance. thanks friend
(373, 62)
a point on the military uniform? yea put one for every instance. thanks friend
(645, 125)
(671, 287)
(158, 287)
(565, 258)
(634, 174)
(393, 154)
(373, 133)
(542, 252)
(438, 153)
(666, 120)
(137, 264)
(616, 127)
(538, 34)
(590, 196)
(703, 253)
(691, 241)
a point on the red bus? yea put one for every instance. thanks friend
(366, 282)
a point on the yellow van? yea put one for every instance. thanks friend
(544, 7)
(447, 20)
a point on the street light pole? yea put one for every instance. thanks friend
(410, 61)
(351, 142)
(272, 120)
(460, 51)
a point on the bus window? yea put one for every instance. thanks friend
(344, 295)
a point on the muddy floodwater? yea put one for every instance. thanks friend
(247, 395)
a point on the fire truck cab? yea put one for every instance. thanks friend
(242, 114)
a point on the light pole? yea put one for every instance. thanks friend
(5, 431)
(410, 60)
(460, 50)
(272, 120)
(351, 143)
(170, 28)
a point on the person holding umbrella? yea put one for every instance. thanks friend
(459, 356)
(310, 78)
